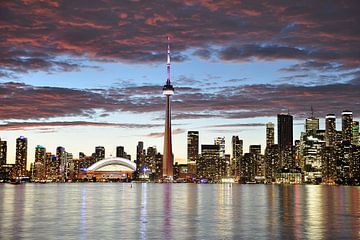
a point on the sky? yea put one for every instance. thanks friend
(81, 74)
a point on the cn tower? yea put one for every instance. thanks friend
(168, 90)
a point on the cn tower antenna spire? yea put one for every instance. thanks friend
(168, 61)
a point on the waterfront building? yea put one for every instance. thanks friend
(192, 150)
(297, 155)
(21, 157)
(346, 124)
(355, 164)
(248, 168)
(40, 163)
(208, 163)
(343, 162)
(330, 129)
(222, 164)
(311, 125)
(272, 162)
(110, 169)
(99, 153)
(270, 138)
(328, 165)
(140, 157)
(285, 140)
(3, 152)
(289, 176)
(192, 146)
(285, 131)
(311, 152)
(259, 163)
(237, 152)
(61, 159)
(355, 133)
(6, 172)
(53, 166)
(120, 151)
(149, 168)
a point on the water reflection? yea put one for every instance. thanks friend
(83, 214)
(178, 211)
(167, 212)
(143, 212)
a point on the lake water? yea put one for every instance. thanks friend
(178, 211)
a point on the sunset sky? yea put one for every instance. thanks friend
(81, 74)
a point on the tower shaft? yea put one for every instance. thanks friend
(168, 156)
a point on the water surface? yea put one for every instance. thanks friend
(178, 211)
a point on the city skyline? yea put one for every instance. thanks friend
(82, 76)
(268, 138)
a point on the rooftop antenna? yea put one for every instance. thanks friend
(312, 112)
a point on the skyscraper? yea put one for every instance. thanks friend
(285, 140)
(168, 91)
(208, 162)
(21, 156)
(99, 153)
(223, 165)
(255, 149)
(311, 125)
(39, 164)
(237, 152)
(61, 159)
(237, 147)
(192, 146)
(347, 119)
(120, 151)
(3, 152)
(140, 156)
(270, 134)
(285, 131)
(330, 129)
(355, 133)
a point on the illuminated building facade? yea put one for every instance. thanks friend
(237, 152)
(40, 163)
(272, 162)
(346, 124)
(270, 138)
(208, 163)
(330, 129)
(222, 164)
(355, 133)
(192, 151)
(192, 146)
(21, 157)
(3, 152)
(311, 125)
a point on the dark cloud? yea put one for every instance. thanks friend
(39, 35)
(161, 134)
(49, 126)
(237, 125)
(21, 101)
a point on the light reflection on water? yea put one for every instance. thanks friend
(178, 211)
